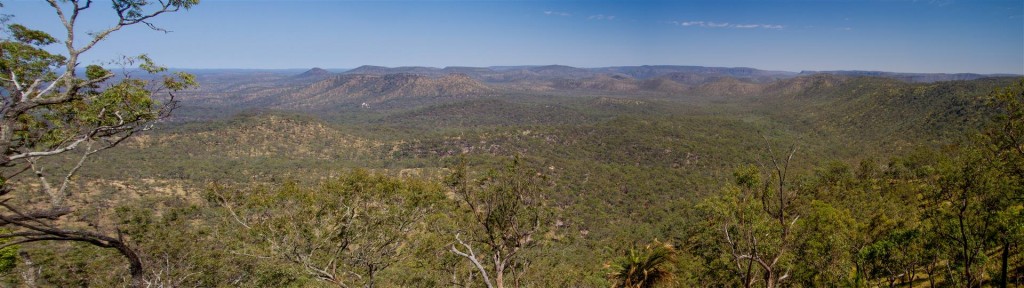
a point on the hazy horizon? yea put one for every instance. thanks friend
(342, 69)
(985, 37)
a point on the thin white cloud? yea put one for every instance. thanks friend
(601, 17)
(941, 3)
(556, 13)
(703, 24)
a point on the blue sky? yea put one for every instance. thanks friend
(980, 36)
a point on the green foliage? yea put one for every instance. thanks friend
(506, 203)
(507, 214)
(596, 174)
(966, 202)
(29, 36)
(825, 245)
(1006, 130)
(8, 256)
(48, 111)
(650, 266)
(346, 231)
(94, 72)
(25, 56)
(135, 10)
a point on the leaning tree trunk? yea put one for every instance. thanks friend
(134, 265)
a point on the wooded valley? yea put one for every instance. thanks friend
(511, 176)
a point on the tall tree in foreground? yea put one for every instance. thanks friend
(1006, 134)
(506, 212)
(53, 118)
(975, 205)
(757, 222)
(1006, 137)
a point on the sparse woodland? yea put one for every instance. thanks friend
(136, 177)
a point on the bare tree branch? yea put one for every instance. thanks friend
(472, 258)
(36, 154)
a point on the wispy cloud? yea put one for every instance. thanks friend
(940, 3)
(704, 24)
(556, 13)
(601, 17)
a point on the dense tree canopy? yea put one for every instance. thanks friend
(887, 183)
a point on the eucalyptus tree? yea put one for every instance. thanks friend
(506, 211)
(54, 116)
(1006, 134)
(756, 219)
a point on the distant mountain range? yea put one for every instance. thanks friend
(371, 89)
(517, 73)
(912, 77)
(685, 74)
(370, 86)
